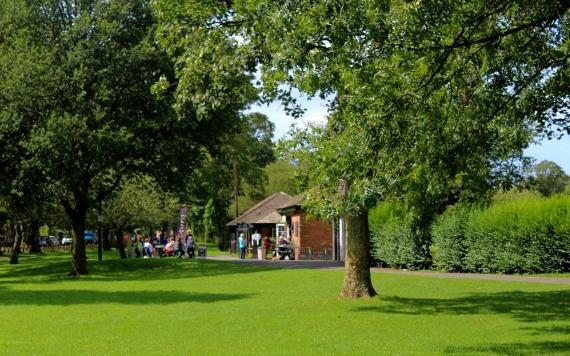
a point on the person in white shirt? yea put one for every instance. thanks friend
(256, 240)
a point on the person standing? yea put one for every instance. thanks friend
(256, 240)
(242, 246)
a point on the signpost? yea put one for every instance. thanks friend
(182, 221)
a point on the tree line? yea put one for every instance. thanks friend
(91, 104)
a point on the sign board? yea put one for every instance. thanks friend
(182, 221)
(44, 230)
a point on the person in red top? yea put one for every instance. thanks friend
(267, 244)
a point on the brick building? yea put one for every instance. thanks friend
(312, 238)
(281, 215)
(262, 217)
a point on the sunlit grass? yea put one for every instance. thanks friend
(182, 306)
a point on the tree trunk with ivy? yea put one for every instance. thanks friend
(357, 282)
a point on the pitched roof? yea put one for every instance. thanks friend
(264, 212)
(297, 200)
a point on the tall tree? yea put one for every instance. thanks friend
(86, 96)
(423, 92)
(250, 149)
(423, 104)
(234, 169)
(549, 178)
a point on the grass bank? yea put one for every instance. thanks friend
(180, 307)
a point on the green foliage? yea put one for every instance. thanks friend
(519, 233)
(549, 178)
(449, 246)
(394, 242)
(140, 203)
(211, 179)
(281, 177)
(250, 149)
(78, 115)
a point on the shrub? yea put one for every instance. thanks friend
(393, 241)
(517, 233)
(448, 249)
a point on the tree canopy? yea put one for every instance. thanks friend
(87, 98)
(433, 101)
(549, 178)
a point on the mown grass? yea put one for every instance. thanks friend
(181, 306)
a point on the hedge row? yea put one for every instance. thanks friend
(393, 241)
(519, 233)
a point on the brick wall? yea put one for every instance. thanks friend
(310, 233)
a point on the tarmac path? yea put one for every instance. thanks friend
(340, 265)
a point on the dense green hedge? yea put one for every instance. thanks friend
(393, 241)
(518, 233)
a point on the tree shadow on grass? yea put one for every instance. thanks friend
(522, 306)
(51, 269)
(526, 307)
(558, 329)
(10, 296)
(532, 348)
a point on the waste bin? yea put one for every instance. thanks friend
(261, 253)
(202, 249)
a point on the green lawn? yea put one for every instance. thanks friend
(181, 306)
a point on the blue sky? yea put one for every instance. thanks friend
(552, 150)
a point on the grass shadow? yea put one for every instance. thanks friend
(10, 296)
(522, 306)
(533, 348)
(55, 267)
(558, 329)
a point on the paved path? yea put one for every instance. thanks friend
(340, 265)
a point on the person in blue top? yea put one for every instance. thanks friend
(242, 246)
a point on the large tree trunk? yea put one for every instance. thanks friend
(357, 282)
(34, 236)
(77, 214)
(14, 258)
(78, 254)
